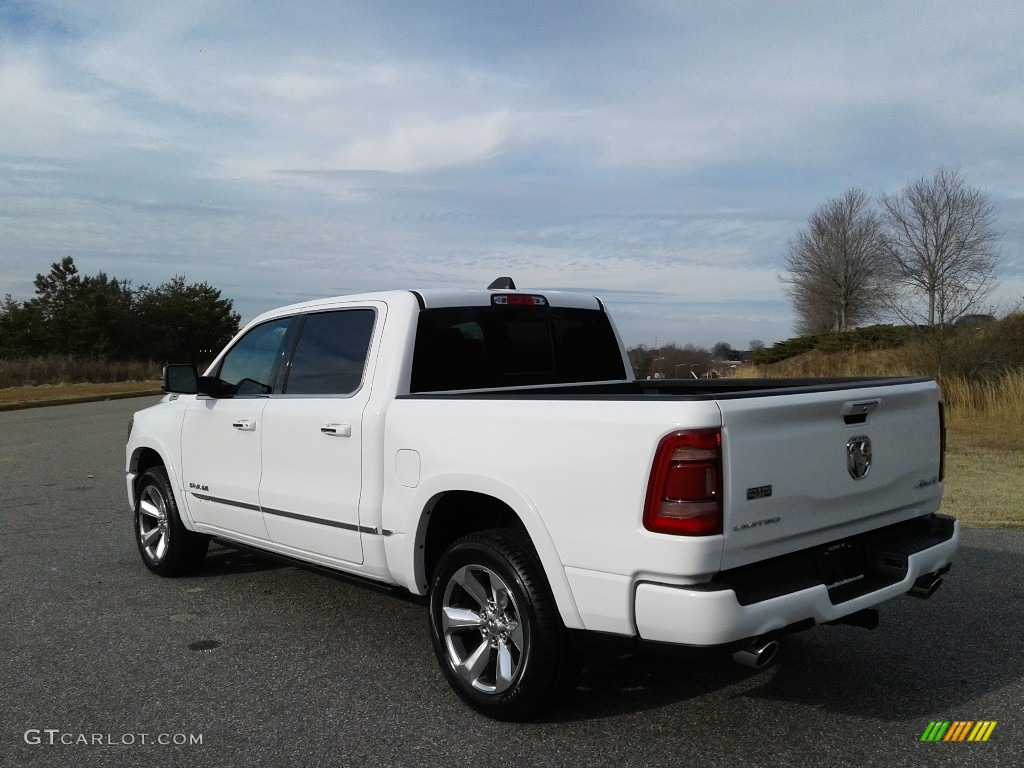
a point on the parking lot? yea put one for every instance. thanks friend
(254, 663)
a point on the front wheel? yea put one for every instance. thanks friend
(167, 547)
(495, 627)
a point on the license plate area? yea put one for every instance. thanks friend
(840, 567)
(848, 568)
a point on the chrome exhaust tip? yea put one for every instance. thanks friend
(757, 655)
(925, 586)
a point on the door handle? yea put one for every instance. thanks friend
(337, 430)
(245, 425)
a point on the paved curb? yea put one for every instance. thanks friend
(25, 404)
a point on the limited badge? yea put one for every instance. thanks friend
(858, 456)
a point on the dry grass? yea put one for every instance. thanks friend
(25, 382)
(51, 394)
(63, 369)
(983, 485)
(991, 413)
(985, 456)
(885, 362)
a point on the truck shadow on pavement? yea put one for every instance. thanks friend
(225, 561)
(926, 657)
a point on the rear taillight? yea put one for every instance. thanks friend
(684, 495)
(942, 441)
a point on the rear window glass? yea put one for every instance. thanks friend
(489, 347)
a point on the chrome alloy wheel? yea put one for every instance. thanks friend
(483, 629)
(154, 536)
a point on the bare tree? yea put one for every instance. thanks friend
(943, 248)
(835, 269)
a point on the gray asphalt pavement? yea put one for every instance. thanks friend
(250, 663)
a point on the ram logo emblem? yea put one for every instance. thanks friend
(858, 456)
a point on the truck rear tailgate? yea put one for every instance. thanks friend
(811, 467)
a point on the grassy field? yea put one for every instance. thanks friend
(62, 370)
(983, 485)
(54, 394)
(28, 382)
(985, 467)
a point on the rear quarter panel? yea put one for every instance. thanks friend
(576, 472)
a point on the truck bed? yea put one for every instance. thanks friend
(682, 389)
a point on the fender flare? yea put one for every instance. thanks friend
(430, 491)
(180, 497)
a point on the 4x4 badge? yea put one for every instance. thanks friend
(858, 456)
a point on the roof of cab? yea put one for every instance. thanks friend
(439, 297)
(435, 298)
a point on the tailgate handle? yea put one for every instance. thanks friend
(857, 412)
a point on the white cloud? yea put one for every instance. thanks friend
(661, 148)
(38, 116)
(427, 144)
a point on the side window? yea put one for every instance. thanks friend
(248, 368)
(330, 354)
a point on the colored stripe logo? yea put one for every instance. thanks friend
(958, 730)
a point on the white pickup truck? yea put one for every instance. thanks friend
(491, 449)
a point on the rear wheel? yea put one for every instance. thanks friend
(495, 627)
(167, 547)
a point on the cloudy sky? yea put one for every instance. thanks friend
(660, 154)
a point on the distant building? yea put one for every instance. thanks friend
(976, 321)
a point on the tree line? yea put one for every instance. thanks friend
(925, 255)
(99, 317)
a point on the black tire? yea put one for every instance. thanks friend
(167, 547)
(495, 628)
